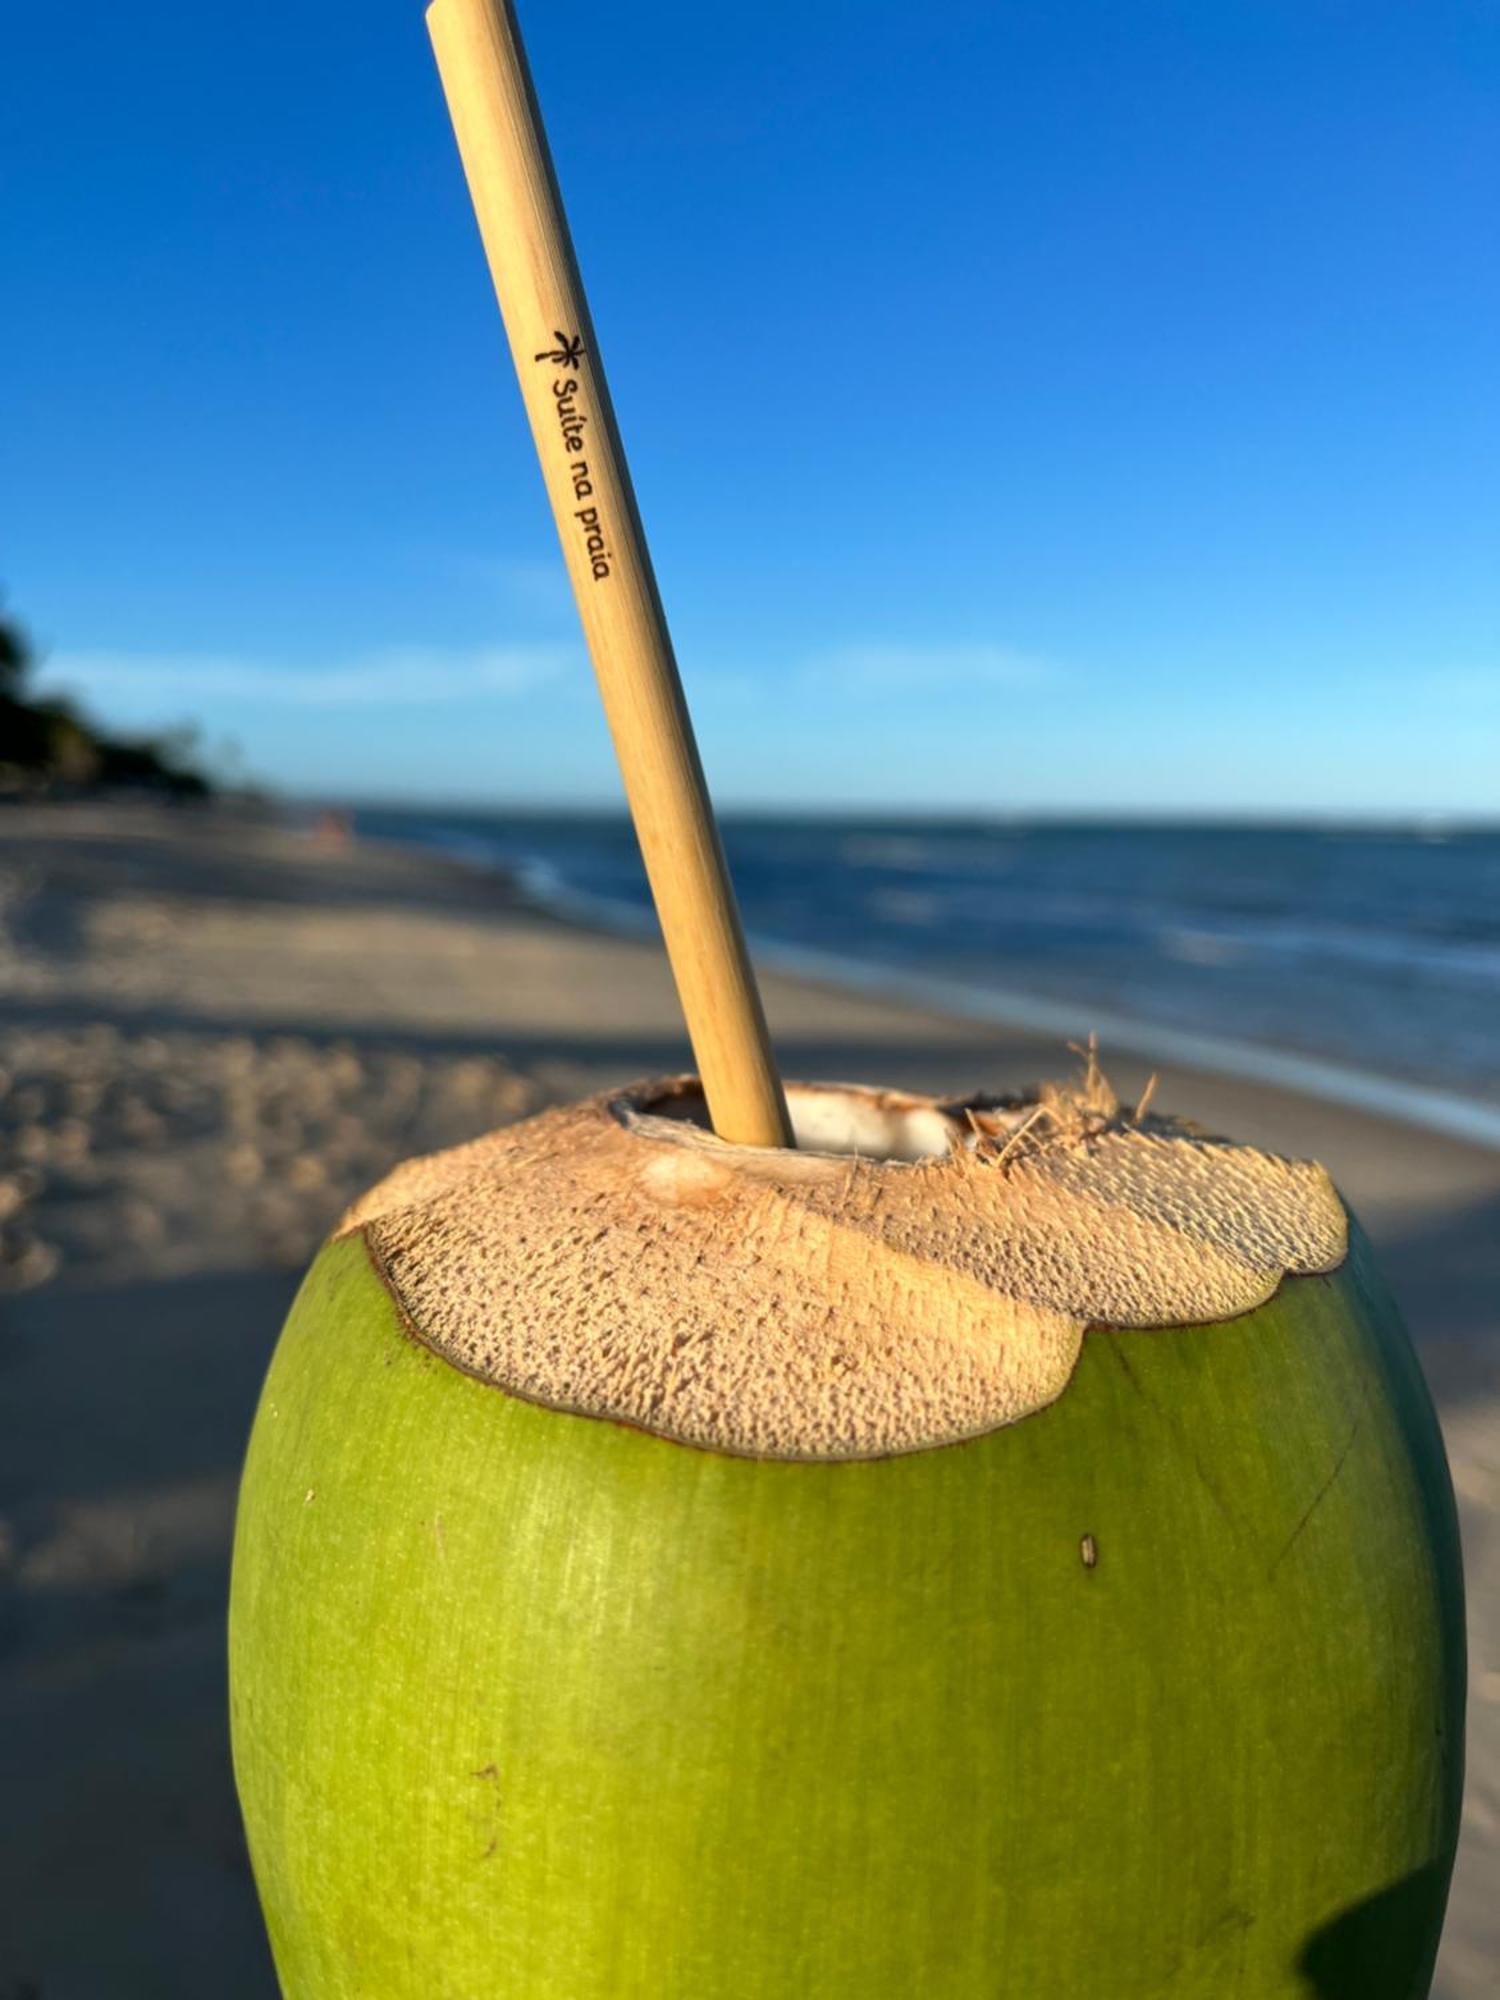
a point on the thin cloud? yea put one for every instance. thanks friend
(891, 669)
(537, 587)
(392, 677)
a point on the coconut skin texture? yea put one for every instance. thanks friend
(1153, 1688)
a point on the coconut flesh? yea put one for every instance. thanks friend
(917, 1272)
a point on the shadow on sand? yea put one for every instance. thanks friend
(123, 1416)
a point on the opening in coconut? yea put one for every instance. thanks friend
(843, 1119)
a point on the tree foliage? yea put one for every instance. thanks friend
(48, 746)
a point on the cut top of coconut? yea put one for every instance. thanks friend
(917, 1272)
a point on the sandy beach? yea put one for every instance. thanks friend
(214, 1033)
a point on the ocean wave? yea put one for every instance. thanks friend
(1245, 954)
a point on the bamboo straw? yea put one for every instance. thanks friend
(514, 190)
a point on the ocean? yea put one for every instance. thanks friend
(1361, 964)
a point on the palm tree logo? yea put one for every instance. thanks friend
(568, 351)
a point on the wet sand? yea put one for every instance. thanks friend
(213, 1033)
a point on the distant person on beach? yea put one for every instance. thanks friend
(333, 831)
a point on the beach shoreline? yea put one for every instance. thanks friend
(215, 1031)
(1061, 1021)
(1338, 962)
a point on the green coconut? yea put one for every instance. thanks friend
(993, 1551)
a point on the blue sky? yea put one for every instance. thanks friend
(1051, 406)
